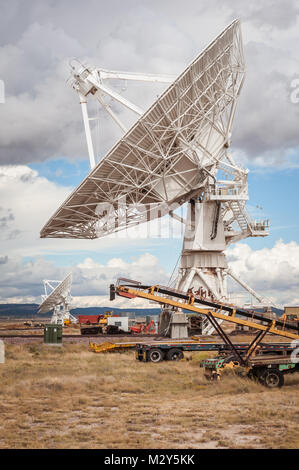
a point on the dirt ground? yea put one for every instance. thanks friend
(16, 333)
(69, 397)
(17, 327)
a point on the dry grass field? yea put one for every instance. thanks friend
(69, 397)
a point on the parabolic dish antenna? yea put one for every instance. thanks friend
(176, 152)
(167, 156)
(57, 299)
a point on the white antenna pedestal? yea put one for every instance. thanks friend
(177, 151)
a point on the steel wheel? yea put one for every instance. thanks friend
(272, 378)
(175, 355)
(156, 355)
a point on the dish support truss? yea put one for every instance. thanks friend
(61, 309)
(217, 216)
(91, 80)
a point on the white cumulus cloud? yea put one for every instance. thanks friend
(22, 281)
(41, 118)
(272, 272)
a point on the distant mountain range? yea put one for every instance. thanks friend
(30, 311)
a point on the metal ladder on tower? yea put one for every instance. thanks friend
(240, 215)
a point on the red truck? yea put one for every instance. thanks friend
(89, 319)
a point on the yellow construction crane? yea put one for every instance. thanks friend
(166, 296)
(253, 360)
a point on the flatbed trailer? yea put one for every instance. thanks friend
(174, 351)
(253, 358)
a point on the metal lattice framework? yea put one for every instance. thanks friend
(177, 151)
(168, 154)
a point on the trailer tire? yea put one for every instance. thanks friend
(272, 378)
(174, 355)
(156, 355)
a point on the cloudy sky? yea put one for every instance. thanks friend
(43, 154)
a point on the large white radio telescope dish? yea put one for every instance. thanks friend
(177, 151)
(167, 155)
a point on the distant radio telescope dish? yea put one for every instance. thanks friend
(57, 300)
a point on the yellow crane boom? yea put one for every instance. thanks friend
(166, 296)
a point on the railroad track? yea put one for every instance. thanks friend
(39, 336)
(78, 336)
(20, 329)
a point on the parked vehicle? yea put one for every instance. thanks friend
(144, 329)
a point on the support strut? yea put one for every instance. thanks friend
(225, 338)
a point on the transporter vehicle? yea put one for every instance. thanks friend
(99, 324)
(94, 319)
(107, 325)
(266, 362)
(96, 330)
(174, 351)
(89, 319)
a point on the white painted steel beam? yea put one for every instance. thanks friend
(176, 151)
(84, 110)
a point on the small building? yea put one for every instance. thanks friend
(121, 322)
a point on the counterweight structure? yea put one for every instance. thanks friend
(176, 152)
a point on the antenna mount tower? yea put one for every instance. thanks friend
(176, 152)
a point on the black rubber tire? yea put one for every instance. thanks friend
(272, 378)
(156, 355)
(174, 355)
